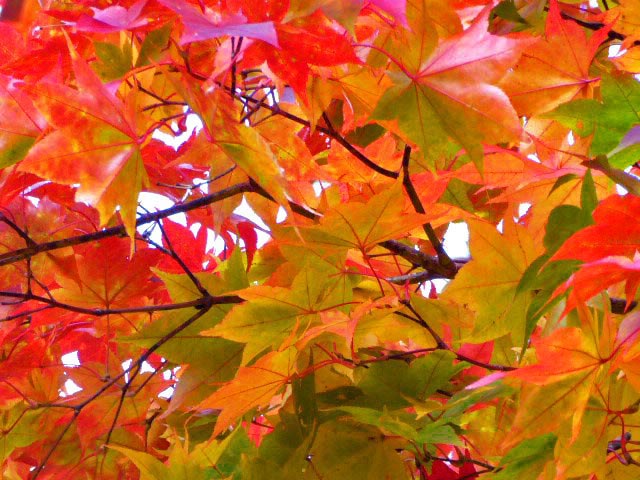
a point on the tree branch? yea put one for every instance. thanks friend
(442, 345)
(333, 133)
(24, 253)
(443, 258)
(200, 303)
(328, 130)
(622, 178)
(431, 264)
(134, 365)
(611, 34)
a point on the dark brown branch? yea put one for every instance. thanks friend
(123, 395)
(431, 264)
(24, 253)
(251, 110)
(148, 379)
(329, 130)
(488, 366)
(443, 258)
(434, 269)
(201, 302)
(140, 87)
(299, 209)
(442, 345)
(333, 133)
(619, 306)
(172, 253)
(611, 34)
(195, 186)
(165, 103)
(25, 314)
(56, 442)
(28, 240)
(415, 277)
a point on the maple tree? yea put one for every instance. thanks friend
(330, 335)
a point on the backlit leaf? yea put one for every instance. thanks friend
(456, 85)
(253, 386)
(479, 286)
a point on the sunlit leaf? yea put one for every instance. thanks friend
(455, 85)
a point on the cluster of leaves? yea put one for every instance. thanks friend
(316, 341)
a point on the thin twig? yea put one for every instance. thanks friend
(326, 130)
(442, 345)
(134, 365)
(196, 282)
(429, 263)
(25, 314)
(199, 184)
(23, 234)
(333, 133)
(53, 447)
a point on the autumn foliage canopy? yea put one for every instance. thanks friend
(151, 329)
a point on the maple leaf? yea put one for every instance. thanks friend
(616, 232)
(20, 122)
(261, 10)
(204, 25)
(194, 256)
(608, 121)
(559, 385)
(273, 316)
(362, 226)
(303, 298)
(114, 18)
(111, 280)
(397, 9)
(594, 277)
(537, 84)
(13, 46)
(442, 471)
(364, 451)
(627, 338)
(625, 15)
(105, 161)
(182, 463)
(479, 287)
(297, 41)
(253, 386)
(457, 85)
(528, 458)
(166, 169)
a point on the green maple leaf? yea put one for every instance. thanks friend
(609, 120)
